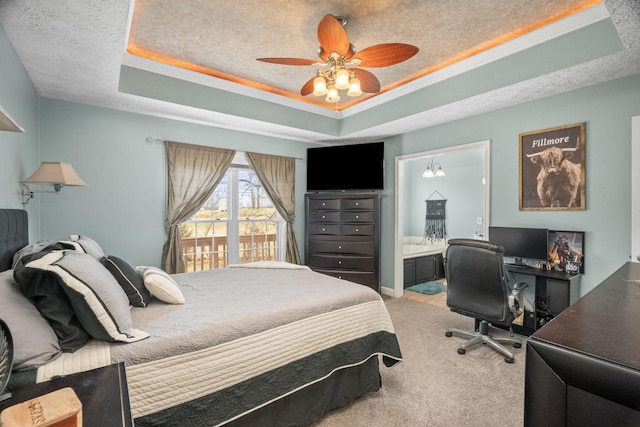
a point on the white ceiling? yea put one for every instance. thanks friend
(75, 50)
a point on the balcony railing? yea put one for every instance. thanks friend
(205, 253)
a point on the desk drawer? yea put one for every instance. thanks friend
(331, 247)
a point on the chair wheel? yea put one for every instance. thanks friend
(462, 350)
(517, 344)
(448, 334)
(508, 359)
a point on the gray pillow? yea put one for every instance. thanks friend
(97, 299)
(34, 341)
(88, 245)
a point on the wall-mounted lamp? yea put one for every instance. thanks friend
(57, 173)
(7, 123)
(431, 170)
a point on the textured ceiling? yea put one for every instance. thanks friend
(224, 39)
(76, 50)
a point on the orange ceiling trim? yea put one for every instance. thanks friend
(144, 53)
(498, 41)
(139, 51)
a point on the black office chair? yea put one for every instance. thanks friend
(479, 286)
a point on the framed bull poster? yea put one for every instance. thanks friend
(552, 168)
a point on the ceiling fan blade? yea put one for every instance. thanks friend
(382, 55)
(368, 82)
(332, 37)
(307, 88)
(289, 61)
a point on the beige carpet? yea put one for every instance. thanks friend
(435, 386)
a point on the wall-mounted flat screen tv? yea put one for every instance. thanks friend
(346, 167)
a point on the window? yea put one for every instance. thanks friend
(238, 224)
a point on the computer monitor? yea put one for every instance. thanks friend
(519, 242)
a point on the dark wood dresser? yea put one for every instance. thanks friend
(343, 236)
(583, 367)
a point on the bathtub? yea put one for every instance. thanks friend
(413, 247)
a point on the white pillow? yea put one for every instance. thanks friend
(161, 285)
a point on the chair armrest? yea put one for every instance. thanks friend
(519, 286)
(514, 298)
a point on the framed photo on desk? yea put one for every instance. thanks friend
(566, 251)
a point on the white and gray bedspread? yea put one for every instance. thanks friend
(244, 338)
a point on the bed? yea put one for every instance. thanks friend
(256, 344)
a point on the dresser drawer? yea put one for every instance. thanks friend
(357, 204)
(363, 263)
(324, 229)
(335, 247)
(356, 217)
(324, 217)
(364, 278)
(358, 230)
(324, 204)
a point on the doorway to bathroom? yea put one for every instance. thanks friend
(439, 194)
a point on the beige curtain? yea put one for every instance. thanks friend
(277, 175)
(194, 172)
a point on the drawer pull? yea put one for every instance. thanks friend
(324, 229)
(339, 247)
(357, 204)
(323, 216)
(324, 204)
(357, 229)
(339, 262)
(357, 216)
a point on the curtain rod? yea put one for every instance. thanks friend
(158, 140)
(162, 141)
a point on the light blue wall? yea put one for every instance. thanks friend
(125, 204)
(607, 110)
(462, 187)
(18, 151)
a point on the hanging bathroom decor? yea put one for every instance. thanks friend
(435, 227)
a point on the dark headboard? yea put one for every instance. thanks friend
(14, 235)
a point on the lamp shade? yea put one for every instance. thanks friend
(55, 173)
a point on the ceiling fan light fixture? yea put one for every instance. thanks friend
(342, 79)
(354, 87)
(319, 86)
(337, 53)
(332, 94)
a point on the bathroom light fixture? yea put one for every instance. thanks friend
(57, 173)
(431, 170)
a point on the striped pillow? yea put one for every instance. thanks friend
(129, 279)
(96, 297)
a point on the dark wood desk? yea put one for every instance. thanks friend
(103, 393)
(583, 367)
(554, 292)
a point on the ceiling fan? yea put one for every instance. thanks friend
(338, 58)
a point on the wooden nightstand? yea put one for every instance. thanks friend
(103, 393)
